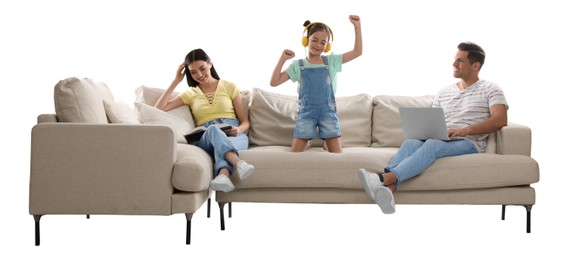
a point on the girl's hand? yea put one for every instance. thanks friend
(288, 54)
(355, 19)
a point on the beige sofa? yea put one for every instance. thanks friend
(94, 157)
(99, 156)
(371, 135)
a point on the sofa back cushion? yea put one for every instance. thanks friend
(273, 119)
(386, 122)
(81, 100)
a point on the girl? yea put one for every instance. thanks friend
(316, 76)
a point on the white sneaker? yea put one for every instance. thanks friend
(385, 199)
(222, 183)
(370, 181)
(244, 169)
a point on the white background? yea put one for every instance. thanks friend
(409, 47)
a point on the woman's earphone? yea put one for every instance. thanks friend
(305, 39)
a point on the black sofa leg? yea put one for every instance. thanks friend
(209, 207)
(528, 208)
(37, 236)
(221, 215)
(188, 227)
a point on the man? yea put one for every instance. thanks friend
(473, 108)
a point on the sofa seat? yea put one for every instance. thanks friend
(317, 168)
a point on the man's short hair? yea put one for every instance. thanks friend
(475, 52)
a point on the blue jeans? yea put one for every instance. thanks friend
(414, 156)
(217, 143)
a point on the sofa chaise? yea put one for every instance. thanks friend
(94, 157)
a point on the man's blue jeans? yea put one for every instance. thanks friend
(414, 156)
(217, 143)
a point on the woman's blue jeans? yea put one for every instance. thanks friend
(414, 156)
(217, 143)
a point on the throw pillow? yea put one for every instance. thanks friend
(81, 101)
(120, 113)
(151, 115)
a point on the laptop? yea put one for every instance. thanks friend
(424, 123)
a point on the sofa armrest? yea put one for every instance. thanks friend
(101, 169)
(47, 118)
(514, 139)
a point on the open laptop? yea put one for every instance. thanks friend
(424, 123)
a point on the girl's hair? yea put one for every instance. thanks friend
(317, 26)
(195, 55)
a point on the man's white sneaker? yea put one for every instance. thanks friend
(222, 183)
(385, 199)
(244, 169)
(370, 181)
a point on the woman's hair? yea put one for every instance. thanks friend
(475, 52)
(317, 26)
(195, 55)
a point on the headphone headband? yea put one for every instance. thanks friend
(326, 26)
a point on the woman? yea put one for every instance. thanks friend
(212, 102)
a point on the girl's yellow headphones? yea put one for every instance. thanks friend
(305, 39)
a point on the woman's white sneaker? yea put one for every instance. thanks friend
(222, 183)
(244, 169)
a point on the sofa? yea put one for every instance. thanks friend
(372, 134)
(96, 155)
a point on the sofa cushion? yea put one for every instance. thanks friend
(81, 100)
(273, 119)
(473, 171)
(316, 168)
(276, 167)
(386, 122)
(151, 115)
(355, 119)
(148, 95)
(119, 112)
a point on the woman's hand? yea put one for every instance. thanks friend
(233, 131)
(180, 73)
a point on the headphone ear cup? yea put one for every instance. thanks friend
(305, 41)
(328, 47)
